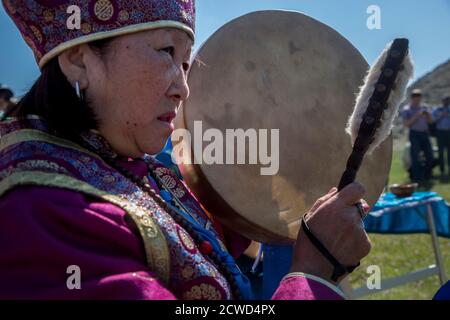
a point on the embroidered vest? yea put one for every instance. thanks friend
(35, 157)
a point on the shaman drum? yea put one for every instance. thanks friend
(274, 70)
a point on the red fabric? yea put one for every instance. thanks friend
(43, 231)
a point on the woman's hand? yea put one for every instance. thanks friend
(336, 222)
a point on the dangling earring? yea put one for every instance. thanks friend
(78, 91)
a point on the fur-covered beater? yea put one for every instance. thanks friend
(396, 97)
(377, 105)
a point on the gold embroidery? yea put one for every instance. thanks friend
(209, 291)
(194, 294)
(38, 164)
(168, 181)
(48, 15)
(36, 33)
(86, 28)
(104, 10)
(178, 192)
(212, 272)
(185, 15)
(203, 291)
(124, 15)
(185, 238)
(187, 272)
(37, 135)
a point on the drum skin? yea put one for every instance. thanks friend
(277, 70)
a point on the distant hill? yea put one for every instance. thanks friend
(435, 84)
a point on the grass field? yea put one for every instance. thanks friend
(399, 254)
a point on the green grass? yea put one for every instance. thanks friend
(399, 254)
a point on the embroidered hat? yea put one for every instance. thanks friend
(52, 26)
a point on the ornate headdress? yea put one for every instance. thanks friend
(52, 26)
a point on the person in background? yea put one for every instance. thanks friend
(417, 118)
(6, 101)
(441, 116)
(406, 159)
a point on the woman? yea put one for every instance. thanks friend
(79, 191)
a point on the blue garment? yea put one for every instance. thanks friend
(277, 262)
(242, 281)
(444, 122)
(165, 156)
(443, 135)
(420, 142)
(443, 142)
(443, 293)
(421, 124)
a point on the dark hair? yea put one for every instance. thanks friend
(54, 99)
(6, 94)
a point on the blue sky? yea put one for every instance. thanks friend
(425, 22)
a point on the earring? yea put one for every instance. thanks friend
(78, 91)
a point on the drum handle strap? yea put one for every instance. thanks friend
(339, 269)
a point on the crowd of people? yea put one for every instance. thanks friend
(424, 124)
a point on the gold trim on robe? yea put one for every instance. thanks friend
(155, 243)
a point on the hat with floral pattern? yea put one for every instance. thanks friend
(52, 26)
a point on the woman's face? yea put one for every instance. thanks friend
(137, 87)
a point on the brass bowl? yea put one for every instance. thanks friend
(404, 190)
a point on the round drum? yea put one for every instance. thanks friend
(277, 70)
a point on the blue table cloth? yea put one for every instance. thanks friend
(393, 215)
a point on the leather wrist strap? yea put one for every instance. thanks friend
(339, 269)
